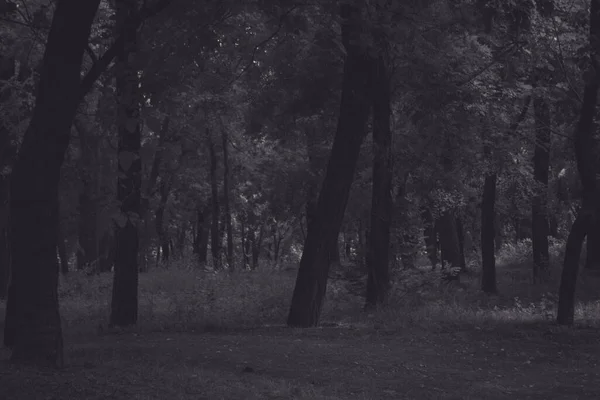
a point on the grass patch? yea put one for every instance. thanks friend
(203, 335)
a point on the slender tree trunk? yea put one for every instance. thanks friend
(488, 215)
(163, 237)
(378, 278)
(124, 306)
(202, 231)
(33, 326)
(226, 207)
(215, 243)
(539, 207)
(430, 236)
(461, 243)
(311, 281)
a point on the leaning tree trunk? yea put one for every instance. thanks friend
(539, 203)
(311, 281)
(460, 231)
(587, 216)
(124, 306)
(378, 279)
(33, 326)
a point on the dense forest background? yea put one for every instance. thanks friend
(184, 166)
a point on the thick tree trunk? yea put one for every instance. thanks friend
(592, 259)
(378, 280)
(585, 154)
(226, 207)
(4, 237)
(488, 216)
(539, 206)
(124, 306)
(588, 215)
(215, 242)
(311, 281)
(33, 326)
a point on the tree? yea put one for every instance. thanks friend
(588, 214)
(33, 327)
(378, 254)
(311, 281)
(124, 305)
(539, 207)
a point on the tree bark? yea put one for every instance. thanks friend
(378, 279)
(202, 230)
(587, 216)
(163, 237)
(460, 231)
(430, 236)
(4, 237)
(311, 281)
(592, 260)
(488, 216)
(226, 207)
(33, 327)
(124, 306)
(539, 207)
(215, 242)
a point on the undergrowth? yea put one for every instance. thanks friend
(187, 299)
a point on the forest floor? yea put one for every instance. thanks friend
(207, 336)
(509, 362)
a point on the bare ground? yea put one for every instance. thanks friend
(504, 362)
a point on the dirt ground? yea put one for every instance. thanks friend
(506, 362)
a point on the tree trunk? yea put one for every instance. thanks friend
(430, 236)
(124, 306)
(33, 326)
(215, 243)
(539, 206)
(163, 237)
(585, 151)
(311, 281)
(592, 260)
(226, 207)
(4, 236)
(202, 230)
(378, 254)
(488, 215)
(460, 231)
